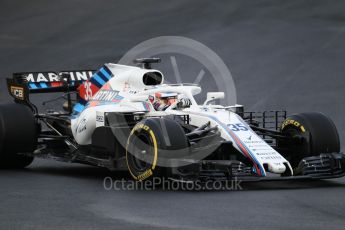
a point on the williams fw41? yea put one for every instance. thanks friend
(125, 118)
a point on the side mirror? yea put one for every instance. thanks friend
(211, 96)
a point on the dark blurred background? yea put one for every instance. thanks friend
(282, 55)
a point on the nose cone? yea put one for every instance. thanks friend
(276, 167)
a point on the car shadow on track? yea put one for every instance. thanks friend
(96, 174)
(71, 170)
(286, 185)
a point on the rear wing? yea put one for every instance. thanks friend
(85, 82)
(21, 85)
(48, 82)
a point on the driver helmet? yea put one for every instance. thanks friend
(165, 99)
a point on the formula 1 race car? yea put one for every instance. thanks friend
(109, 120)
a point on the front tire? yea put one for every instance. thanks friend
(151, 143)
(312, 133)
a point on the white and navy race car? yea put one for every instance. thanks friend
(109, 120)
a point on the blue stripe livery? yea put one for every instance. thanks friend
(43, 85)
(78, 108)
(105, 73)
(32, 86)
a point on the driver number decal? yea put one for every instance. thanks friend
(88, 90)
(238, 127)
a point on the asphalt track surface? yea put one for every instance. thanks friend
(282, 55)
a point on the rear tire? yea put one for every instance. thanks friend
(313, 133)
(18, 135)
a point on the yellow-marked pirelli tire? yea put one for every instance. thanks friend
(312, 134)
(18, 135)
(151, 144)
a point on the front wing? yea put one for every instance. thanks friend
(323, 166)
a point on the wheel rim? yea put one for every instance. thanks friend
(141, 152)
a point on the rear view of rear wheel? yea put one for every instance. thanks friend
(18, 135)
(312, 134)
